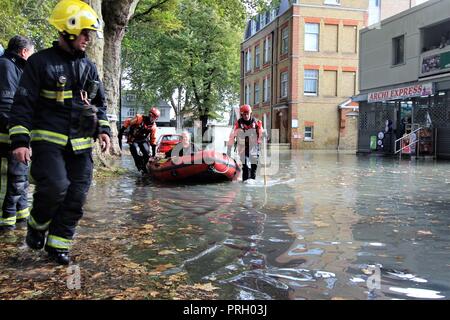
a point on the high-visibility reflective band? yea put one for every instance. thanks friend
(103, 123)
(23, 214)
(44, 135)
(4, 138)
(18, 130)
(8, 221)
(58, 242)
(38, 226)
(57, 95)
(81, 144)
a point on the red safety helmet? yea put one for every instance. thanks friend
(245, 108)
(154, 112)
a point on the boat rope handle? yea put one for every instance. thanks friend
(226, 170)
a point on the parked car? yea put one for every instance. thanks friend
(167, 141)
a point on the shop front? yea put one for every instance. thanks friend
(418, 112)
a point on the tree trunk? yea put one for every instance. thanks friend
(179, 114)
(116, 15)
(95, 50)
(95, 53)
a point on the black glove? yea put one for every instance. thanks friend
(88, 121)
(229, 151)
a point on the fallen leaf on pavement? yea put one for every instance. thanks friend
(166, 252)
(205, 287)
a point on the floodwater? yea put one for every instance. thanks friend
(327, 226)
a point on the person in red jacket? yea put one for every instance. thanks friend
(249, 134)
(141, 136)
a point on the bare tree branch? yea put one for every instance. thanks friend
(140, 15)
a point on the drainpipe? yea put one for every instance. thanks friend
(339, 127)
(274, 69)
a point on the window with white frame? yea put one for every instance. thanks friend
(256, 93)
(253, 23)
(333, 2)
(248, 61)
(247, 94)
(273, 14)
(131, 112)
(285, 40)
(311, 37)
(266, 89)
(284, 85)
(309, 133)
(163, 113)
(257, 57)
(311, 82)
(130, 97)
(263, 20)
(267, 50)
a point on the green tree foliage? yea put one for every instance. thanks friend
(27, 18)
(196, 56)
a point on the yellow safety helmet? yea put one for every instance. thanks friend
(72, 16)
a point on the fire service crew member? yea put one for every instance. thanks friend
(141, 136)
(60, 107)
(249, 133)
(14, 174)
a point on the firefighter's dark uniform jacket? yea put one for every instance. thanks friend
(11, 68)
(48, 102)
(14, 182)
(46, 111)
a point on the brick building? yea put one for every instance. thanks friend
(299, 66)
(299, 63)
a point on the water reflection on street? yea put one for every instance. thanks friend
(319, 229)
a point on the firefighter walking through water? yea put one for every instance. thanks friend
(60, 108)
(141, 136)
(249, 134)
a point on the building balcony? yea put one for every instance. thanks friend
(436, 61)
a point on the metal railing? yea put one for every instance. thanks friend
(408, 137)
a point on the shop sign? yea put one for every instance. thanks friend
(416, 90)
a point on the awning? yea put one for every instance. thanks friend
(360, 98)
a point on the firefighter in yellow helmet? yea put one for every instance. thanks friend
(59, 111)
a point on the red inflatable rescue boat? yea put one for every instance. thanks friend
(200, 167)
